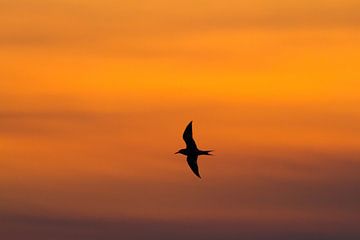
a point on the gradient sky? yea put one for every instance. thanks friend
(95, 95)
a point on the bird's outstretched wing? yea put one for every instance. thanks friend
(188, 137)
(192, 161)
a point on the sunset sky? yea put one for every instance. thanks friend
(95, 95)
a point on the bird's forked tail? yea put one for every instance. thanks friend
(206, 152)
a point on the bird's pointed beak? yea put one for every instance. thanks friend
(177, 152)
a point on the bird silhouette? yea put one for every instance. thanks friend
(191, 150)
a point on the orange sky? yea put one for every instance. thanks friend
(94, 96)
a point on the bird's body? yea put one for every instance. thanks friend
(191, 150)
(188, 152)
